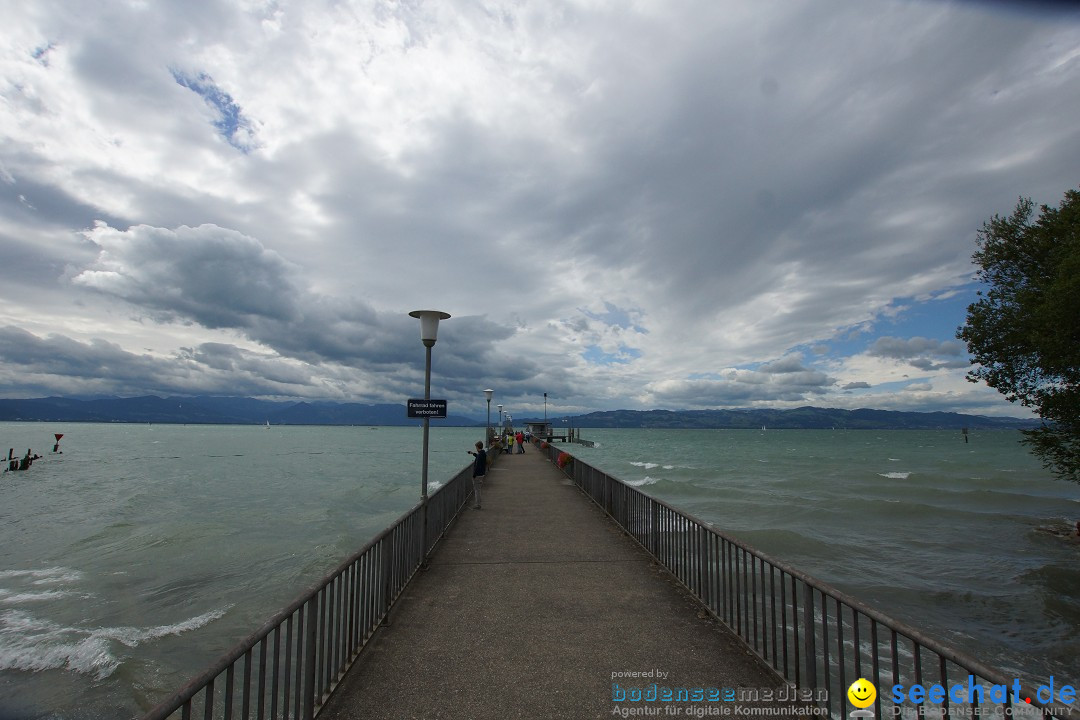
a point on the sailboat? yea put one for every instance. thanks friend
(267, 426)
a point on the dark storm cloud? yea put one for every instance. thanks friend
(786, 378)
(58, 355)
(923, 353)
(98, 366)
(34, 204)
(232, 360)
(209, 275)
(737, 392)
(221, 279)
(906, 348)
(59, 364)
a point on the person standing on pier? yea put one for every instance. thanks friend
(520, 443)
(478, 472)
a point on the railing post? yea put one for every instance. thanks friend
(387, 570)
(809, 637)
(310, 642)
(654, 529)
(703, 566)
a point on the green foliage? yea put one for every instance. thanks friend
(1024, 331)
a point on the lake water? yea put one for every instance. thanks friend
(129, 562)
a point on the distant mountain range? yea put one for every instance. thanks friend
(804, 418)
(248, 411)
(212, 410)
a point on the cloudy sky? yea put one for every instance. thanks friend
(622, 203)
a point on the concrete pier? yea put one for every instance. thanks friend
(537, 606)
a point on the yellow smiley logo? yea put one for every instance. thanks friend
(861, 694)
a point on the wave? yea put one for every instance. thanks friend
(8, 597)
(687, 490)
(896, 497)
(44, 575)
(651, 465)
(984, 622)
(133, 636)
(31, 644)
(1061, 584)
(782, 542)
(34, 645)
(34, 640)
(39, 585)
(642, 482)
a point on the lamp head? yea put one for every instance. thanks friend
(429, 324)
(488, 394)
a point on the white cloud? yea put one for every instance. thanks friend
(619, 204)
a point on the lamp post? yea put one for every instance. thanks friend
(429, 330)
(500, 418)
(487, 434)
(545, 408)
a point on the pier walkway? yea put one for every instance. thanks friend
(527, 610)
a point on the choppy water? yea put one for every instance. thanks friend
(970, 541)
(135, 558)
(132, 560)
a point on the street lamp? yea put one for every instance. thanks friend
(545, 408)
(500, 418)
(429, 330)
(487, 437)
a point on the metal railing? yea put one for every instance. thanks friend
(809, 633)
(289, 667)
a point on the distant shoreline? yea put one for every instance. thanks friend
(249, 411)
